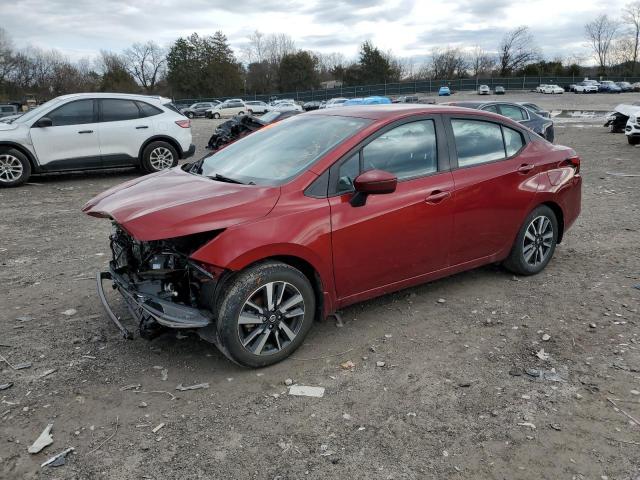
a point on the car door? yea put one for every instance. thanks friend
(121, 131)
(397, 236)
(72, 140)
(494, 186)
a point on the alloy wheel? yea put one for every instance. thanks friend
(11, 168)
(161, 158)
(271, 318)
(538, 241)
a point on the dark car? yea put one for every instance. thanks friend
(607, 86)
(313, 105)
(625, 86)
(198, 109)
(539, 124)
(326, 209)
(499, 90)
(536, 109)
(242, 125)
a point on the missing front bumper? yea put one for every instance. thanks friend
(143, 306)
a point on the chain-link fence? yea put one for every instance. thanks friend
(412, 87)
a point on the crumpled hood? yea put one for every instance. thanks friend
(174, 203)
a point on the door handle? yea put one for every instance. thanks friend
(437, 196)
(139, 127)
(85, 131)
(526, 168)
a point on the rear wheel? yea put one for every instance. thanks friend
(265, 314)
(633, 140)
(535, 243)
(15, 168)
(158, 156)
(189, 115)
(215, 115)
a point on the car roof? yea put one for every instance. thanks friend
(389, 111)
(129, 96)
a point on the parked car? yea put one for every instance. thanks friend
(7, 110)
(607, 86)
(407, 99)
(335, 102)
(552, 89)
(540, 87)
(535, 109)
(92, 131)
(251, 244)
(499, 90)
(444, 91)
(617, 120)
(540, 125)
(636, 86)
(375, 100)
(632, 125)
(484, 90)
(625, 86)
(585, 87)
(286, 107)
(228, 108)
(312, 105)
(243, 125)
(198, 109)
(256, 106)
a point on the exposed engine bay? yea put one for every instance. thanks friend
(161, 285)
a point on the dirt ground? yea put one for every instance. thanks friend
(453, 400)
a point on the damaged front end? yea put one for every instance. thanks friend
(161, 286)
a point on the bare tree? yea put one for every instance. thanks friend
(146, 62)
(480, 62)
(254, 51)
(600, 33)
(516, 50)
(7, 60)
(448, 63)
(631, 16)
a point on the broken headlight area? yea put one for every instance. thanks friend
(161, 286)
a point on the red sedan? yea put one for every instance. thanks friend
(249, 245)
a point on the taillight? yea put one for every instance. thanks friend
(574, 162)
(184, 123)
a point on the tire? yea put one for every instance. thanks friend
(250, 285)
(250, 112)
(521, 261)
(633, 140)
(215, 115)
(240, 113)
(189, 115)
(15, 168)
(158, 156)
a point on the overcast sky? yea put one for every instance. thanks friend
(410, 28)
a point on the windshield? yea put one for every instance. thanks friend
(280, 152)
(36, 111)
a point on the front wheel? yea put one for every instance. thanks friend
(158, 156)
(265, 314)
(15, 168)
(215, 115)
(189, 115)
(535, 243)
(633, 140)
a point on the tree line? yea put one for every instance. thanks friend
(199, 66)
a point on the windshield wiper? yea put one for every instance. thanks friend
(222, 178)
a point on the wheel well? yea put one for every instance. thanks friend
(169, 140)
(22, 150)
(559, 216)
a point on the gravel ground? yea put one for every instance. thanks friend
(453, 399)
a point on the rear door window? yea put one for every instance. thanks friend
(477, 142)
(147, 110)
(116, 110)
(513, 141)
(514, 113)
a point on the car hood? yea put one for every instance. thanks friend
(175, 203)
(5, 127)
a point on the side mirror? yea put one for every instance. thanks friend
(44, 122)
(372, 182)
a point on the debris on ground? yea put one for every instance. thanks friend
(556, 427)
(71, 311)
(528, 425)
(59, 459)
(133, 386)
(542, 355)
(380, 363)
(288, 382)
(304, 391)
(157, 429)
(198, 386)
(46, 373)
(348, 365)
(441, 300)
(592, 325)
(44, 440)
(5, 386)
(18, 366)
(164, 374)
(546, 337)
(542, 374)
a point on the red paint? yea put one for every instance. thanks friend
(427, 228)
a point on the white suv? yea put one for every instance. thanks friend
(94, 130)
